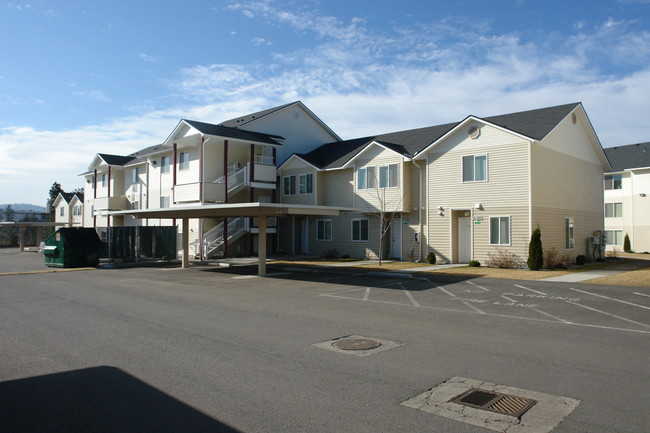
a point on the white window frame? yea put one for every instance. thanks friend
(362, 181)
(500, 242)
(360, 221)
(164, 164)
(134, 175)
(388, 183)
(289, 185)
(613, 210)
(610, 235)
(302, 181)
(184, 161)
(613, 180)
(164, 201)
(62, 211)
(104, 180)
(325, 223)
(462, 168)
(569, 233)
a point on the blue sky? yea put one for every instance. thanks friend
(79, 78)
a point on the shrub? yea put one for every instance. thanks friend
(580, 260)
(474, 263)
(535, 252)
(626, 244)
(504, 259)
(554, 260)
(431, 258)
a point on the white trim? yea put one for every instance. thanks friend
(364, 150)
(293, 155)
(331, 229)
(352, 230)
(462, 168)
(509, 230)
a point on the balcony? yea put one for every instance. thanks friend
(110, 203)
(190, 192)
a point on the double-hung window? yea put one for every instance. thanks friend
(306, 183)
(614, 181)
(289, 183)
(164, 201)
(360, 230)
(134, 175)
(104, 182)
(500, 230)
(366, 178)
(388, 176)
(164, 164)
(61, 211)
(475, 168)
(184, 161)
(613, 237)
(613, 210)
(568, 235)
(324, 230)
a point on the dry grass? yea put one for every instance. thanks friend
(638, 278)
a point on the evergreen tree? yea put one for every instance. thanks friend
(9, 213)
(55, 189)
(535, 252)
(626, 244)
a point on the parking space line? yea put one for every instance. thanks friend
(415, 303)
(339, 292)
(473, 308)
(641, 294)
(365, 296)
(531, 290)
(611, 299)
(445, 290)
(476, 285)
(608, 314)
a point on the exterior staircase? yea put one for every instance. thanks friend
(237, 179)
(213, 239)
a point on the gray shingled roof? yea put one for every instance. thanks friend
(115, 159)
(630, 156)
(241, 120)
(151, 149)
(535, 124)
(226, 131)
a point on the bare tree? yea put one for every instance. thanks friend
(386, 211)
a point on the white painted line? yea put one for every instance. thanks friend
(415, 303)
(552, 316)
(365, 296)
(611, 299)
(511, 300)
(531, 290)
(474, 308)
(244, 277)
(446, 291)
(476, 285)
(608, 314)
(342, 291)
(641, 294)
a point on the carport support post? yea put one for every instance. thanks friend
(261, 247)
(185, 263)
(21, 238)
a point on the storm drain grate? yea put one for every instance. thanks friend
(505, 404)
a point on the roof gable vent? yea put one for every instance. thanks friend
(473, 132)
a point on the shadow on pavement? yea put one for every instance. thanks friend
(99, 399)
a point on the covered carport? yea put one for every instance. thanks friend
(232, 210)
(22, 226)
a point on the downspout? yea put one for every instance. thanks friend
(419, 209)
(201, 186)
(225, 180)
(94, 197)
(108, 217)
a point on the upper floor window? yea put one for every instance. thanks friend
(388, 176)
(164, 164)
(614, 181)
(184, 161)
(474, 168)
(613, 210)
(613, 237)
(134, 175)
(61, 211)
(500, 230)
(104, 177)
(366, 178)
(304, 183)
(164, 201)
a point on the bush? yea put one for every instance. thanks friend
(554, 260)
(535, 252)
(626, 244)
(431, 258)
(580, 260)
(474, 263)
(504, 259)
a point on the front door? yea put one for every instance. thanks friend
(464, 239)
(396, 238)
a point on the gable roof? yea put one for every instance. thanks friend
(629, 156)
(242, 120)
(115, 159)
(229, 132)
(158, 148)
(534, 124)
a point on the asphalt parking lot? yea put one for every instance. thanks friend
(166, 349)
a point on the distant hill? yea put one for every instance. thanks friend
(23, 207)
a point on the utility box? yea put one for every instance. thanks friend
(73, 248)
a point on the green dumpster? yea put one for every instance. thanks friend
(73, 248)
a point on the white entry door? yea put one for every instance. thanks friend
(464, 239)
(396, 238)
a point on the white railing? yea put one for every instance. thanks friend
(213, 238)
(264, 159)
(235, 179)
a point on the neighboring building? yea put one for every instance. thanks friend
(68, 209)
(202, 163)
(627, 197)
(460, 190)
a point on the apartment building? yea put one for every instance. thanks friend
(627, 197)
(68, 209)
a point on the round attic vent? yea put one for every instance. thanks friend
(296, 115)
(473, 132)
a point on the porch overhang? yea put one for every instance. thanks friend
(232, 210)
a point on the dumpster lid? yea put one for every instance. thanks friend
(81, 238)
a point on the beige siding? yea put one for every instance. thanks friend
(566, 177)
(389, 199)
(342, 237)
(339, 188)
(505, 193)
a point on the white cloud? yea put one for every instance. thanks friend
(148, 58)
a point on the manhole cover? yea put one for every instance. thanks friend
(356, 344)
(495, 402)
